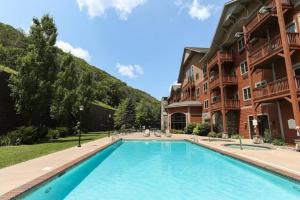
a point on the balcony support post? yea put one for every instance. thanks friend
(224, 125)
(253, 107)
(288, 62)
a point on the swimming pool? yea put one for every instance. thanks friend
(165, 170)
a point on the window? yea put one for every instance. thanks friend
(215, 99)
(205, 86)
(246, 93)
(241, 44)
(205, 104)
(261, 84)
(291, 28)
(244, 67)
(198, 92)
(197, 76)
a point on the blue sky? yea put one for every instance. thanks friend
(139, 41)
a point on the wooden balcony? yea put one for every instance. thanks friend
(259, 19)
(273, 90)
(225, 56)
(272, 48)
(297, 80)
(227, 80)
(230, 104)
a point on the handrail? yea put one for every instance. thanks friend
(272, 88)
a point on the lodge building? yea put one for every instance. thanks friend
(250, 73)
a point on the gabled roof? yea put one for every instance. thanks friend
(234, 15)
(188, 53)
(185, 104)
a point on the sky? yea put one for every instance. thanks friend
(140, 42)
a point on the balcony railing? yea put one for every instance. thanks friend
(232, 103)
(224, 56)
(214, 82)
(258, 19)
(297, 80)
(229, 79)
(272, 47)
(216, 105)
(273, 89)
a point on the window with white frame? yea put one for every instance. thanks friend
(246, 93)
(244, 67)
(261, 84)
(241, 43)
(205, 104)
(205, 86)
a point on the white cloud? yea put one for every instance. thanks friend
(196, 10)
(76, 51)
(199, 11)
(98, 7)
(131, 71)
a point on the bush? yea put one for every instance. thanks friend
(236, 136)
(202, 129)
(278, 142)
(219, 135)
(53, 134)
(63, 131)
(177, 131)
(24, 135)
(189, 128)
(4, 140)
(267, 136)
(212, 134)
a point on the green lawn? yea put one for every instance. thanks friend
(10, 155)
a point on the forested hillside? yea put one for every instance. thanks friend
(108, 89)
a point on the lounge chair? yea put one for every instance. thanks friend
(146, 133)
(157, 134)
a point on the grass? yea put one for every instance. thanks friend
(103, 105)
(11, 155)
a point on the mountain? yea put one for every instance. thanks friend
(108, 89)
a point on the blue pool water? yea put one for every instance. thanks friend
(164, 170)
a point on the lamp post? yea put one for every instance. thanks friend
(81, 108)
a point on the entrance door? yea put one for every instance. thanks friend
(263, 124)
(178, 121)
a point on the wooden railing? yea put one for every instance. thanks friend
(214, 81)
(224, 56)
(216, 105)
(269, 48)
(229, 79)
(232, 103)
(274, 88)
(259, 18)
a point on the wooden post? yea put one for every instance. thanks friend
(288, 62)
(222, 94)
(254, 112)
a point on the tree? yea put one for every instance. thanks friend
(64, 107)
(32, 87)
(125, 114)
(144, 115)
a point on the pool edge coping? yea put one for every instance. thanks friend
(264, 166)
(18, 191)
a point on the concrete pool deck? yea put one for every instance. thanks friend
(20, 177)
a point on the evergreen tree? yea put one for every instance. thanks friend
(32, 87)
(64, 108)
(125, 114)
(144, 115)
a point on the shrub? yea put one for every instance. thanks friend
(267, 136)
(212, 134)
(202, 129)
(219, 135)
(53, 134)
(4, 140)
(278, 142)
(236, 136)
(189, 128)
(25, 135)
(177, 131)
(63, 131)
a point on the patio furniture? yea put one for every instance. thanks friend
(297, 145)
(147, 133)
(168, 134)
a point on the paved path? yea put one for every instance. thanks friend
(19, 174)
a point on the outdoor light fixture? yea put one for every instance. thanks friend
(81, 108)
(265, 9)
(239, 34)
